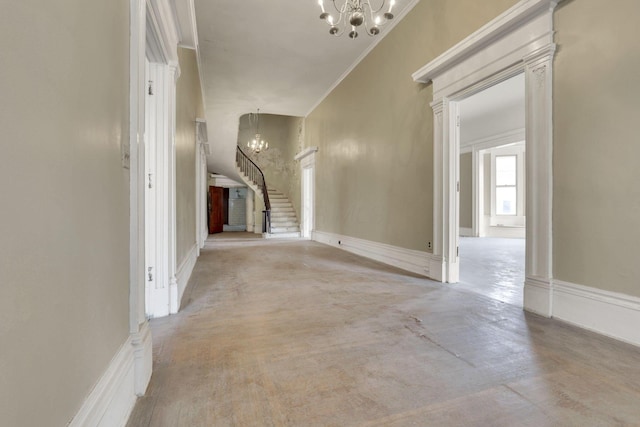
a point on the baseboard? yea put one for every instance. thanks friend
(608, 313)
(538, 296)
(422, 263)
(142, 358)
(203, 237)
(466, 232)
(184, 273)
(110, 402)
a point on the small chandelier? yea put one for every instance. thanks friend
(257, 144)
(355, 13)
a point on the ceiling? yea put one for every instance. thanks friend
(493, 111)
(274, 55)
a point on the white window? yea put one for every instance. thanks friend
(506, 191)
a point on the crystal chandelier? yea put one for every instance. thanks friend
(354, 13)
(257, 144)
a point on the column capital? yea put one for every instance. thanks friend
(545, 53)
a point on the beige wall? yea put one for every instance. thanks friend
(596, 145)
(64, 221)
(374, 176)
(466, 190)
(281, 171)
(188, 108)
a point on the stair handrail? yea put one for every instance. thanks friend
(254, 173)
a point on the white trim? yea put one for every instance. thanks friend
(522, 12)
(184, 274)
(110, 402)
(608, 313)
(307, 160)
(466, 232)
(137, 281)
(519, 40)
(306, 152)
(419, 262)
(366, 52)
(538, 295)
(185, 13)
(165, 21)
(140, 336)
(142, 358)
(509, 137)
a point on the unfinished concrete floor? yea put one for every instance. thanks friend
(276, 333)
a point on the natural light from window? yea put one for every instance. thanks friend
(506, 193)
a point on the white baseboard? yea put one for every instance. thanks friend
(422, 263)
(506, 232)
(184, 274)
(203, 237)
(142, 358)
(608, 313)
(538, 296)
(110, 402)
(466, 232)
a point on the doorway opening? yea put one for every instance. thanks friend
(307, 159)
(492, 192)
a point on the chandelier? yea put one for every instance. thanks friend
(257, 144)
(354, 13)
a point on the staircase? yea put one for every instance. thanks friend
(284, 223)
(279, 218)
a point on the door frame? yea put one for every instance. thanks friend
(307, 159)
(519, 40)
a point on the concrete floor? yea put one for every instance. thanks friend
(296, 333)
(493, 267)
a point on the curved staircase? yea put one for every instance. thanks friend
(279, 217)
(284, 223)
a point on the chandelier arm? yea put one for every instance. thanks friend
(371, 13)
(371, 9)
(337, 24)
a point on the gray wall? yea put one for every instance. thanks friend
(188, 108)
(374, 176)
(284, 135)
(375, 136)
(64, 221)
(596, 216)
(466, 190)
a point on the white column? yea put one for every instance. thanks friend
(249, 207)
(539, 193)
(440, 207)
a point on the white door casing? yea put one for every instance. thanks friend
(307, 160)
(154, 35)
(138, 326)
(160, 180)
(519, 40)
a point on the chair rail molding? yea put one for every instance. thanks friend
(520, 40)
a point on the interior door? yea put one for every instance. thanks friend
(216, 214)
